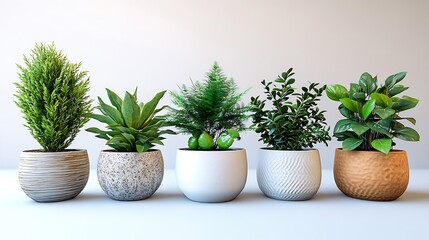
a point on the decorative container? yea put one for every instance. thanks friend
(371, 175)
(211, 176)
(53, 176)
(289, 175)
(129, 176)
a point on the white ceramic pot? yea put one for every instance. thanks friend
(211, 176)
(289, 175)
(128, 176)
(53, 176)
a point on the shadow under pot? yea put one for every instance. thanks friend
(371, 175)
(53, 176)
(129, 176)
(289, 175)
(211, 176)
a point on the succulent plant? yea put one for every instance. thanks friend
(294, 122)
(132, 126)
(372, 113)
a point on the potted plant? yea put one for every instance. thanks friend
(209, 170)
(366, 167)
(133, 170)
(289, 168)
(53, 97)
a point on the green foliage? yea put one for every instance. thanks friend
(372, 113)
(53, 97)
(132, 126)
(209, 108)
(290, 125)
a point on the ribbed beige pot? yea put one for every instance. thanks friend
(53, 176)
(371, 175)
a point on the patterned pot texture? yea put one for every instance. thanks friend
(211, 176)
(130, 176)
(371, 175)
(53, 176)
(289, 175)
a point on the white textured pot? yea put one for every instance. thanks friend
(128, 176)
(211, 176)
(289, 175)
(53, 176)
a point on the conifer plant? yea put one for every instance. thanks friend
(53, 97)
(209, 110)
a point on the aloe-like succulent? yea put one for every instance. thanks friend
(132, 126)
(371, 113)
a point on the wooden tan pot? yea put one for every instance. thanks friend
(53, 176)
(371, 175)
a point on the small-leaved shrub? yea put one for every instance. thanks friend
(294, 122)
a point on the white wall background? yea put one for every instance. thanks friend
(158, 45)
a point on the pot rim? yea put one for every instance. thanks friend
(113, 151)
(211, 151)
(365, 151)
(280, 150)
(39, 151)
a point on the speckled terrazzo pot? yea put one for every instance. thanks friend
(129, 176)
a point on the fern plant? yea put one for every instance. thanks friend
(53, 96)
(294, 122)
(210, 111)
(132, 126)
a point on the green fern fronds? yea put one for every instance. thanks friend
(211, 106)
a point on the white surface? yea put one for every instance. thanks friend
(158, 45)
(169, 215)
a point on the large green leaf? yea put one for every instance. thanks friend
(351, 105)
(110, 111)
(102, 118)
(394, 79)
(359, 128)
(411, 120)
(148, 110)
(367, 108)
(382, 126)
(367, 83)
(345, 112)
(341, 136)
(130, 111)
(114, 99)
(336, 92)
(381, 100)
(343, 125)
(352, 143)
(382, 144)
(397, 89)
(405, 103)
(407, 134)
(384, 112)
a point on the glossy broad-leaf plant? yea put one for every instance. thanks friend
(373, 113)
